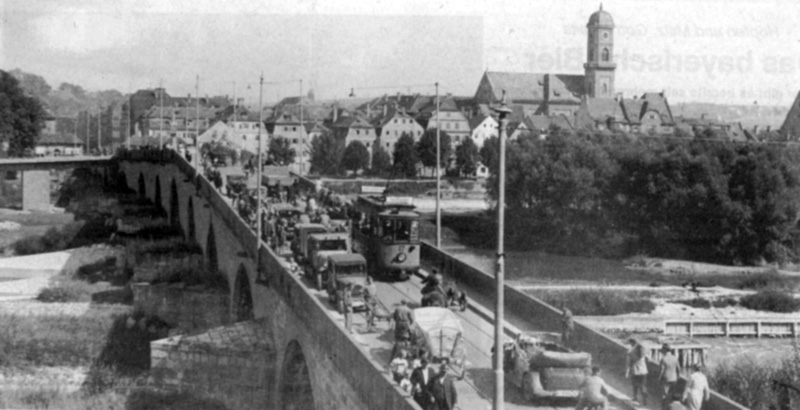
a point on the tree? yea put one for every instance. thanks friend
(21, 117)
(326, 154)
(381, 161)
(426, 148)
(281, 151)
(490, 152)
(405, 156)
(467, 157)
(356, 156)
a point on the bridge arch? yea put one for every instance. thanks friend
(211, 249)
(191, 234)
(242, 296)
(142, 187)
(157, 195)
(174, 205)
(295, 390)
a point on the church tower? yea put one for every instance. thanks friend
(599, 67)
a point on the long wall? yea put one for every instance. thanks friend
(339, 372)
(606, 352)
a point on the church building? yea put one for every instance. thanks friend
(588, 101)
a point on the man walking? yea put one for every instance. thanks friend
(402, 321)
(421, 379)
(347, 300)
(443, 390)
(636, 370)
(567, 325)
(697, 390)
(670, 370)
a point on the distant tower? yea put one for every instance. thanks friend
(600, 65)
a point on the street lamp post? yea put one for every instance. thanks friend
(502, 112)
(438, 176)
(258, 179)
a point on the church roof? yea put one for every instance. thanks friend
(519, 87)
(565, 87)
(600, 18)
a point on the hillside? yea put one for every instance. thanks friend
(67, 100)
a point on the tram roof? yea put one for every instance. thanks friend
(347, 258)
(399, 213)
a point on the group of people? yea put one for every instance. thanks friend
(690, 398)
(431, 389)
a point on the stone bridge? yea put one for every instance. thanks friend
(312, 363)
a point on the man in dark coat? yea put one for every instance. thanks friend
(402, 321)
(443, 390)
(421, 381)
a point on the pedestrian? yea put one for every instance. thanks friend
(370, 302)
(636, 370)
(697, 390)
(347, 302)
(399, 366)
(405, 382)
(403, 320)
(593, 392)
(421, 379)
(443, 390)
(670, 369)
(567, 325)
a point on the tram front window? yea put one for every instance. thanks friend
(403, 230)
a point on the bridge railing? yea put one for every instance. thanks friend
(606, 352)
(377, 390)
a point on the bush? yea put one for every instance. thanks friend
(762, 280)
(62, 291)
(150, 400)
(53, 240)
(750, 383)
(771, 300)
(599, 302)
(708, 303)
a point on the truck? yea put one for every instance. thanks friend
(543, 368)
(343, 269)
(320, 247)
(300, 245)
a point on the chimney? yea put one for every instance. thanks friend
(385, 106)
(768, 127)
(335, 113)
(755, 129)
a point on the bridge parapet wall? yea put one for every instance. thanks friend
(341, 373)
(606, 352)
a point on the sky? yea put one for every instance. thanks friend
(730, 52)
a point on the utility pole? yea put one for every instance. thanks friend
(161, 114)
(99, 123)
(302, 130)
(235, 108)
(258, 176)
(499, 384)
(438, 176)
(196, 121)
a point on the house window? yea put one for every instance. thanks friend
(456, 125)
(605, 55)
(358, 132)
(294, 128)
(395, 133)
(395, 120)
(286, 128)
(368, 145)
(294, 141)
(387, 145)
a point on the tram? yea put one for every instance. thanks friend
(386, 233)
